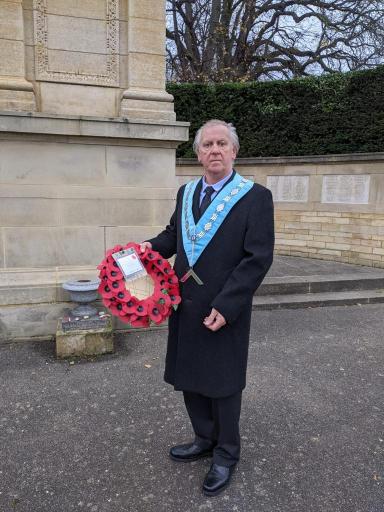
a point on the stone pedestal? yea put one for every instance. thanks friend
(71, 188)
(84, 342)
(94, 164)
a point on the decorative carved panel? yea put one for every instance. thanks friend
(75, 48)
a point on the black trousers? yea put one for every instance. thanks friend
(215, 422)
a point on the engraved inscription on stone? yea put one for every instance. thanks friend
(77, 43)
(344, 188)
(85, 324)
(289, 188)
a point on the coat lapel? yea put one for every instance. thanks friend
(196, 201)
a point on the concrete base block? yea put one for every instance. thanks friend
(85, 342)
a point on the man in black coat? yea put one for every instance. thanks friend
(223, 237)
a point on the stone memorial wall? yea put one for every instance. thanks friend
(327, 207)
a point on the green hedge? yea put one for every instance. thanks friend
(336, 113)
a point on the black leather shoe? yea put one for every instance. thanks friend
(189, 452)
(217, 479)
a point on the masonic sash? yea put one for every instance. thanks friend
(196, 237)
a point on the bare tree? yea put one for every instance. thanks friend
(241, 40)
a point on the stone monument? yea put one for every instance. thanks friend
(87, 145)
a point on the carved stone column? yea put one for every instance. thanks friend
(16, 93)
(145, 96)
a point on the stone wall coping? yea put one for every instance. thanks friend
(307, 159)
(87, 126)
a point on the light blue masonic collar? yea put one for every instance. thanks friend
(197, 236)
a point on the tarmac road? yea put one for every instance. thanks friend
(94, 435)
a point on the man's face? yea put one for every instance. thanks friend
(216, 152)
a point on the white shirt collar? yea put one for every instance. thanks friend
(216, 186)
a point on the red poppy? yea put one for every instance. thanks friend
(156, 313)
(124, 296)
(150, 255)
(111, 264)
(140, 322)
(125, 318)
(130, 306)
(142, 308)
(168, 271)
(117, 286)
(116, 308)
(105, 289)
(161, 296)
(161, 264)
(173, 290)
(175, 299)
(114, 274)
(163, 283)
(165, 300)
(117, 248)
(107, 302)
(103, 272)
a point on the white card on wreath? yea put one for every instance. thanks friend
(130, 264)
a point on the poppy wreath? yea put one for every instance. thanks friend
(118, 299)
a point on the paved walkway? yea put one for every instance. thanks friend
(288, 266)
(94, 435)
(300, 282)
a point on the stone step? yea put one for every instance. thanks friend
(311, 300)
(320, 284)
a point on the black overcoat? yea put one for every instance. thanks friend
(232, 266)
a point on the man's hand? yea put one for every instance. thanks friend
(214, 321)
(144, 246)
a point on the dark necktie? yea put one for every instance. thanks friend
(206, 199)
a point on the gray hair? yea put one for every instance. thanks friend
(216, 122)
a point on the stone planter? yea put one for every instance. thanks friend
(83, 292)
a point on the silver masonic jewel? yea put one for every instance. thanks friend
(191, 273)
